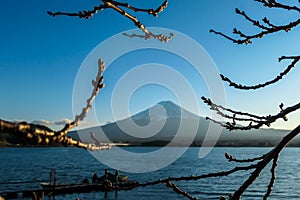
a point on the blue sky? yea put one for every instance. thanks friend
(41, 55)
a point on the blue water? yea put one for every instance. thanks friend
(72, 165)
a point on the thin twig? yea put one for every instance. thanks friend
(273, 177)
(203, 176)
(275, 4)
(230, 158)
(247, 38)
(254, 22)
(261, 85)
(149, 11)
(179, 191)
(215, 106)
(255, 120)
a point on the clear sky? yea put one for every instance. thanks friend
(41, 55)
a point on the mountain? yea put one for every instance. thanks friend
(159, 124)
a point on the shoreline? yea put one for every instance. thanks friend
(123, 146)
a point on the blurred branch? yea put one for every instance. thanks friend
(43, 135)
(120, 8)
(255, 121)
(97, 86)
(295, 60)
(160, 37)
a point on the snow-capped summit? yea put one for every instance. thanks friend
(162, 111)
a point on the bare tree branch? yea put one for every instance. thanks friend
(273, 177)
(117, 6)
(179, 191)
(199, 177)
(266, 27)
(265, 30)
(295, 60)
(86, 14)
(230, 158)
(275, 4)
(255, 121)
(149, 11)
(254, 22)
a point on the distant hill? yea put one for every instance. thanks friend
(172, 114)
(19, 139)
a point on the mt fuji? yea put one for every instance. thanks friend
(162, 121)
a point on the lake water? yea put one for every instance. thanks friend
(73, 165)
